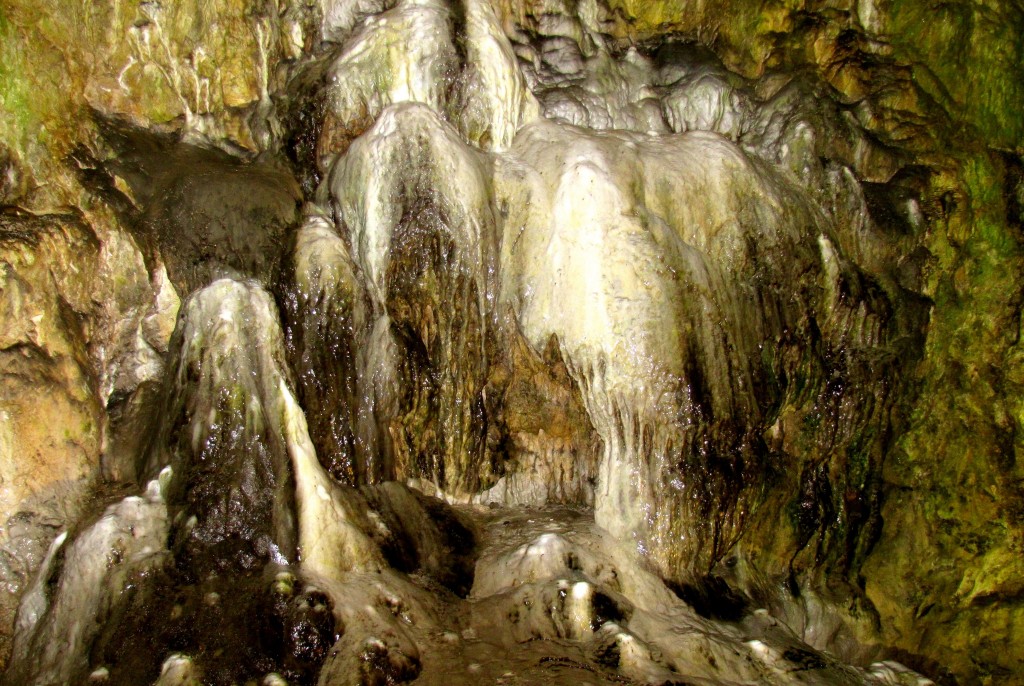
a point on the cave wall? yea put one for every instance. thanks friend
(939, 86)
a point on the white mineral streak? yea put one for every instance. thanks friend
(57, 624)
(408, 159)
(230, 331)
(220, 322)
(321, 259)
(378, 360)
(847, 321)
(409, 176)
(402, 55)
(891, 673)
(334, 295)
(35, 601)
(331, 540)
(494, 98)
(411, 161)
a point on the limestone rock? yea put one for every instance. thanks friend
(199, 67)
(409, 53)
(326, 314)
(51, 414)
(130, 537)
(49, 263)
(750, 286)
(198, 212)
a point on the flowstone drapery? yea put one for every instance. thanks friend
(524, 352)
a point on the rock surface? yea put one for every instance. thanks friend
(744, 279)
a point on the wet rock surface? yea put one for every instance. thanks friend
(198, 212)
(49, 410)
(487, 342)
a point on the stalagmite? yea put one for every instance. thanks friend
(63, 612)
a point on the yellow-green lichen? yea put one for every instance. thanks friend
(975, 51)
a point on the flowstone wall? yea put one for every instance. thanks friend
(742, 277)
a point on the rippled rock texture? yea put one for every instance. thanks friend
(515, 342)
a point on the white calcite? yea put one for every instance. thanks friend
(553, 575)
(664, 228)
(321, 260)
(179, 670)
(667, 266)
(66, 606)
(340, 17)
(330, 539)
(493, 101)
(413, 201)
(402, 55)
(226, 364)
(605, 93)
(409, 159)
(655, 260)
(327, 312)
(234, 390)
(705, 102)
(409, 54)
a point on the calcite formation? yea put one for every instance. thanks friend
(413, 340)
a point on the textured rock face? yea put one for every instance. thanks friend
(680, 246)
(208, 63)
(49, 453)
(45, 353)
(741, 281)
(73, 307)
